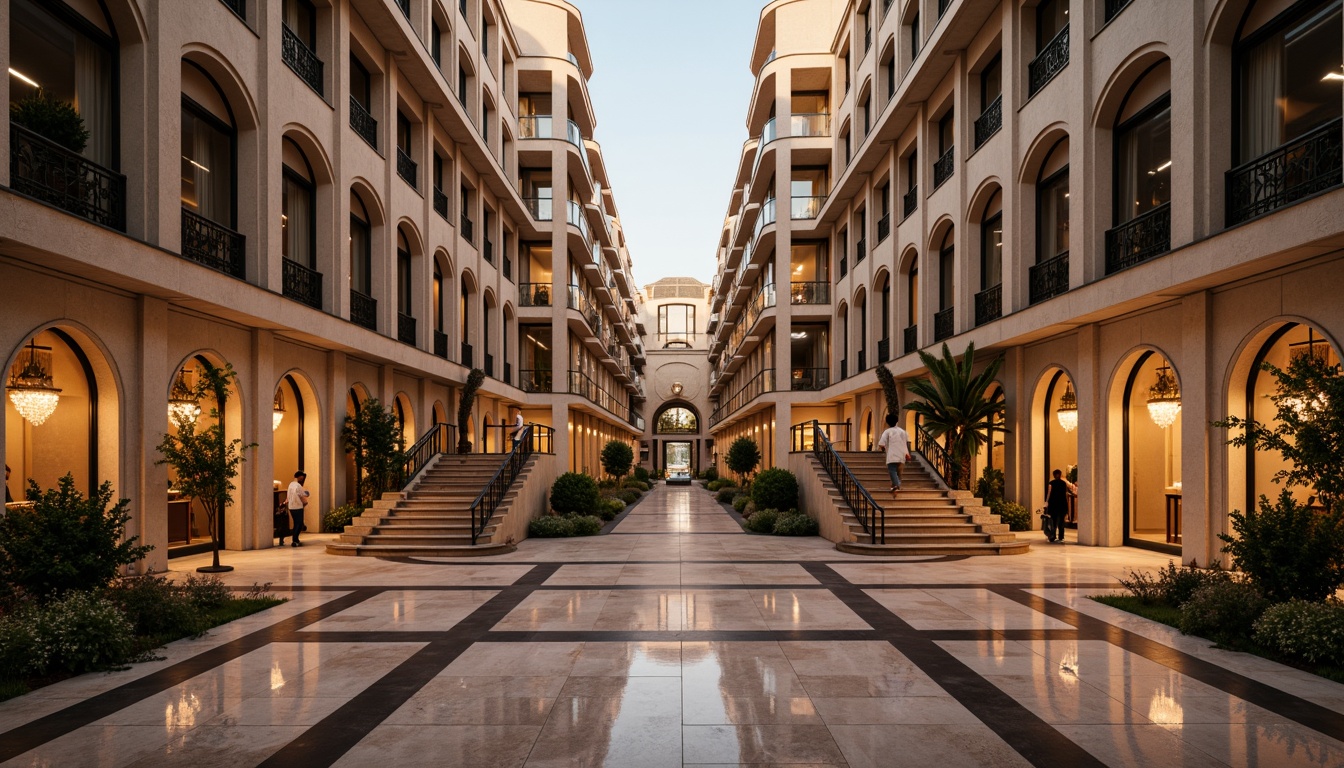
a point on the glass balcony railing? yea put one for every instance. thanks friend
(804, 208)
(535, 127)
(574, 215)
(769, 133)
(813, 124)
(541, 208)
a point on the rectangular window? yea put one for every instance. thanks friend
(914, 36)
(403, 281)
(991, 252)
(1052, 216)
(298, 223)
(462, 87)
(1052, 16)
(1143, 162)
(403, 133)
(676, 326)
(361, 84)
(991, 82)
(361, 256)
(436, 43)
(301, 18)
(945, 134)
(207, 165)
(947, 276)
(912, 171)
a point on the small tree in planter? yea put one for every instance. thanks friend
(474, 381)
(205, 461)
(743, 456)
(617, 458)
(52, 119)
(373, 437)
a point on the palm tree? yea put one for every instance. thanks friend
(953, 407)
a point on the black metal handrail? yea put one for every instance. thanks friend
(910, 201)
(869, 513)
(989, 122)
(838, 432)
(943, 324)
(363, 123)
(884, 349)
(581, 384)
(1302, 167)
(484, 507)
(937, 456)
(860, 250)
(1143, 237)
(1048, 63)
(300, 58)
(1049, 278)
(465, 359)
(67, 180)
(466, 226)
(761, 383)
(989, 304)
(489, 366)
(363, 310)
(943, 167)
(213, 245)
(883, 227)
(441, 438)
(440, 202)
(405, 329)
(810, 292)
(302, 283)
(910, 339)
(441, 344)
(406, 167)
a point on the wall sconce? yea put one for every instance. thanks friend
(31, 387)
(1068, 409)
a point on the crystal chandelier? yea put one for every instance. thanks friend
(31, 388)
(182, 401)
(278, 409)
(1164, 399)
(1068, 409)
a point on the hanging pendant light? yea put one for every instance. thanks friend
(1164, 399)
(31, 388)
(278, 409)
(1068, 409)
(182, 402)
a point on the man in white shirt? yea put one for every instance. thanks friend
(517, 432)
(296, 500)
(896, 443)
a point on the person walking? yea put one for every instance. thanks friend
(517, 431)
(296, 499)
(1057, 495)
(896, 443)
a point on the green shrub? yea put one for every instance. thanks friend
(763, 521)
(84, 633)
(617, 456)
(606, 483)
(551, 527)
(637, 485)
(641, 474)
(1310, 631)
(23, 653)
(718, 484)
(989, 487)
(1172, 585)
(1016, 516)
(155, 607)
(726, 493)
(64, 542)
(749, 509)
(710, 474)
(629, 496)
(1288, 550)
(1224, 611)
(740, 502)
(206, 592)
(775, 487)
(608, 509)
(338, 518)
(743, 456)
(586, 525)
(795, 523)
(51, 118)
(574, 492)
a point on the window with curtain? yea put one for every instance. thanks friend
(301, 18)
(947, 273)
(1143, 161)
(297, 223)
(1052, 216)
(207, 165)
(912, 295)
(403, 275)
(361, 254)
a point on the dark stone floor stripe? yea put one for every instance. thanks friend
(984, 635)
(1295, 708)
(337, 733)
(685, 636)
(1033, 738)
(32, 735)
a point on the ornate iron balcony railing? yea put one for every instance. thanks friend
(943, 167)
(301, 283)
(1302, 167)
(363, 123)
(363, 310)
(884, 227)
(1049, 278)
(465, 358)
(910, 340)
(67, 180)
(440, 203)
(300, 58)
(441, 344)
(405, 329)
(1143, 237)
(489, 367)
(883, 349)
(1049, 62)
(860, 250)
(989, 122)
(466, 227)
(406, 167)
(989, 305)
(943, 327)
(910, 201)
(213, 245)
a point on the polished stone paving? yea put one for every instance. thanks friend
(678, 640)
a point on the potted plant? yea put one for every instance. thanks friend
(54, 120)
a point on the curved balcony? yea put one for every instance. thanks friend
(536, 127)
(810, 124)
(541, 208)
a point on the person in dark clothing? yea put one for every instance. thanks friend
(1057, 495)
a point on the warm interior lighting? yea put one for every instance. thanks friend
(1067, 413)
(182, 402)
(1164, 399)
(1332, 75)
(193, 162)
(278, 409)
(20, 76)
(31, 388)
(1160, 168)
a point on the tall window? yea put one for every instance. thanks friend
(991, 82)
(298, 225)
(1052, 205)
(361, 249)
(436, 43)
(676, 324)
(945, 135)
(912, 296)
(207, 164)
(438, 298)
(947, 273)
(914, 36)
(403, 274)
(991, 244)
(1143, 161)
(361, 84)
(301, 18)
(1051, 18)
(884, 316)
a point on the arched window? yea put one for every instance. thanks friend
(1142, 191)
(209, 152)
(363, 307)
(298, 227)
(1050, 276)
(677, 420)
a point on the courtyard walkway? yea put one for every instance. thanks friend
(678, 640)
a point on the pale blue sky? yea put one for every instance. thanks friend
(670, 89)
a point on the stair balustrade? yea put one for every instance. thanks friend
(870, 515)
(937, 455)
(483, 508)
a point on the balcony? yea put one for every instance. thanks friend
(465, 359)
(768, 134)
(1049, 278)
(884, 227)
(809, 379)
(860, 250)
(943, 167)
(844, 369)
(989, 305)
(580, 384)
(1114, 7)
(535, 127)
(1143, 237)
(541, 208)
(804, 208)
(844, 264)
(534, 380)
(441, 344)
(489, 365)
(441, 203)
(300, 58)
(406, 329)
(989, 122)
(883, 349)
(212, 245)
(910, 340)
(1307, 165)
(406, 167)
(363, 123)
(910, 202)
(508, 268)
(818, 292)
(489, 251)
(1048, 63)
(363, 310)
(810, 124)
(758, 385)
(466, 228)
(534, 294)
(301, 283)
(943, 325)
(574, 216)
(863, 362)
(48, 172)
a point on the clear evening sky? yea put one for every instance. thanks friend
(670, 89)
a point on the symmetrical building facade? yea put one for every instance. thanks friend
(675, 314)
(342, 199)
(1135, 203)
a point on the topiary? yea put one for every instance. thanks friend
(725, 494)
(776, 488)
(710, 474)
(795, 523)
(762, 522)
(743, 456)
(551, 527)
(574, 492)
(51, 118)
(475, 378)
(1223, 611)
(617, 456)
(586, 525)
(740, 502)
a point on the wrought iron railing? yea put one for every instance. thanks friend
(883, 349)
(485, 505)
(405, 329)
(406, 167)
(489, 366)
(863, 362)
(809, 379)
(910, 201)
(884, 227)
(1048, 63)
(441, 344)
(810, 124)
(989, 305)
(1049, 278)
(860, 250)
(363, 310)
(844, 369)
(869, 513)
(300, 58)
(943, 167)
(939, 459)
(440, 202)
(488, 250)
(67, 180)
(989, 122)
(806, 207)
(534, 294)
(943, 324)
(580, 384)
(534, 379)
(762, 382)
(508, 268)
(1141, 238)
(910, 340)
(1114, 7)
(818, 292)
(843, 265)
(466, 355)
(302, 283)
(466, 227)
(1309, 164)
(838, 432)
(439, 439)
(363, 123)
(212, 245)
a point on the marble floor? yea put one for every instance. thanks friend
(676, 640)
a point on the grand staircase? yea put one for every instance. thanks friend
(923, 519)
(432, 517)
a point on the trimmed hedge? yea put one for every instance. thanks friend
(740, 502)
(775, 488)
(564, 526)
(794, 523)
(725, 495)
(574, 493)
(763, 521)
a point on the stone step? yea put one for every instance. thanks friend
(909, 549)
(403, 549)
